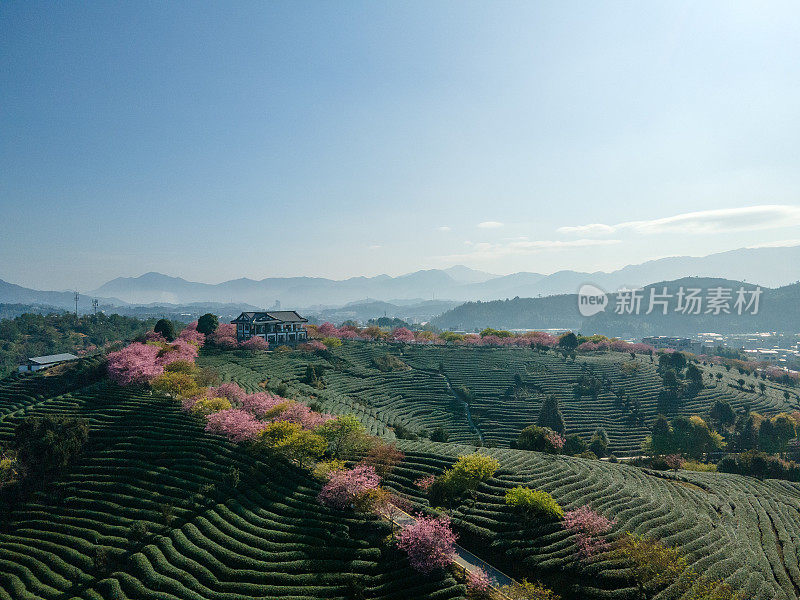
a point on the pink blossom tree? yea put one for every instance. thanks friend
(136, 363)
(556, 440)
(425, 483)
(478, 582)
(429, 543)
(175, 351)
(229, 390)
(403, 334)
(303, 416)
(590, 528)
(224, 336)
(255, 343)
(260, 403)
(345, 486)
(191, 335)
(313, 346)
(237, 424)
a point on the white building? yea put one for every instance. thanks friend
(42, 362)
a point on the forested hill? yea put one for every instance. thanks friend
(37, 335)
(779, 310)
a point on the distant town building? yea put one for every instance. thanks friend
(674, 343)
(275, 326)
(42, 362)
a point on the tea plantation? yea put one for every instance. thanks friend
(422, 397)
(155, 508)
(730, 527)
(200, 533)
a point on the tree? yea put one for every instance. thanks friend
(345, 434)
(534, 503)
(207, 324)
(568, 342)
(237, 424)
(47, 445)
(540, 439)
(550, 415)
(383, 457)
(574, 445)
(722, 414)
(661, 440)
(695, 378)
(166, 329)
(590, 528)
(652, 564)
(599, 443)
(429, 543)
(345, 485)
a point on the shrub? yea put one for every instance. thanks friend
(389, 363)
(528, 591)
(429, 543)
(534, 503)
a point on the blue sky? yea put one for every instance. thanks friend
(219, 140)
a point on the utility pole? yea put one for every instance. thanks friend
(77, 295)
(95, 303)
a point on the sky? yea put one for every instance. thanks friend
(214, 141)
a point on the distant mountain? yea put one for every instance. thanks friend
(11, 293)
(771, 267)
(779, 310)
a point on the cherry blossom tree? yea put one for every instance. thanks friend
(224, 336)
(478, 582)
(589, 527)
(313, 346)
(237, 424)
(429, 543)
(229, 390)
(136, 363)
(255, 343)
(556, 440)
(425, 483)
(345, 486)
(403, 334)
(303, 416)
(259, 404)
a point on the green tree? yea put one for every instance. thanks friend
(345, 435)
(207, 324)
(47, 445)
(574, 444)
(568, 341)
(166, 329)
(722, 415)
(534, 503)
(599, 443)
(550, 415)
(661, 440)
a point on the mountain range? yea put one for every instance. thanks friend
(778, 310)
(770, 267)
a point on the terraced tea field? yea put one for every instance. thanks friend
(421, 398)
(148, 462)
(730, 527)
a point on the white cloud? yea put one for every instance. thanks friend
(750, 218)
(443, 228)
(490, 224)
(488, 251)
(375, 247)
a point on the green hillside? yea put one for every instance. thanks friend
(266, 537)
(421, 398)
(215, 522)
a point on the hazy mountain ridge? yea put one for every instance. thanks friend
(771, 267)
(779, 310)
